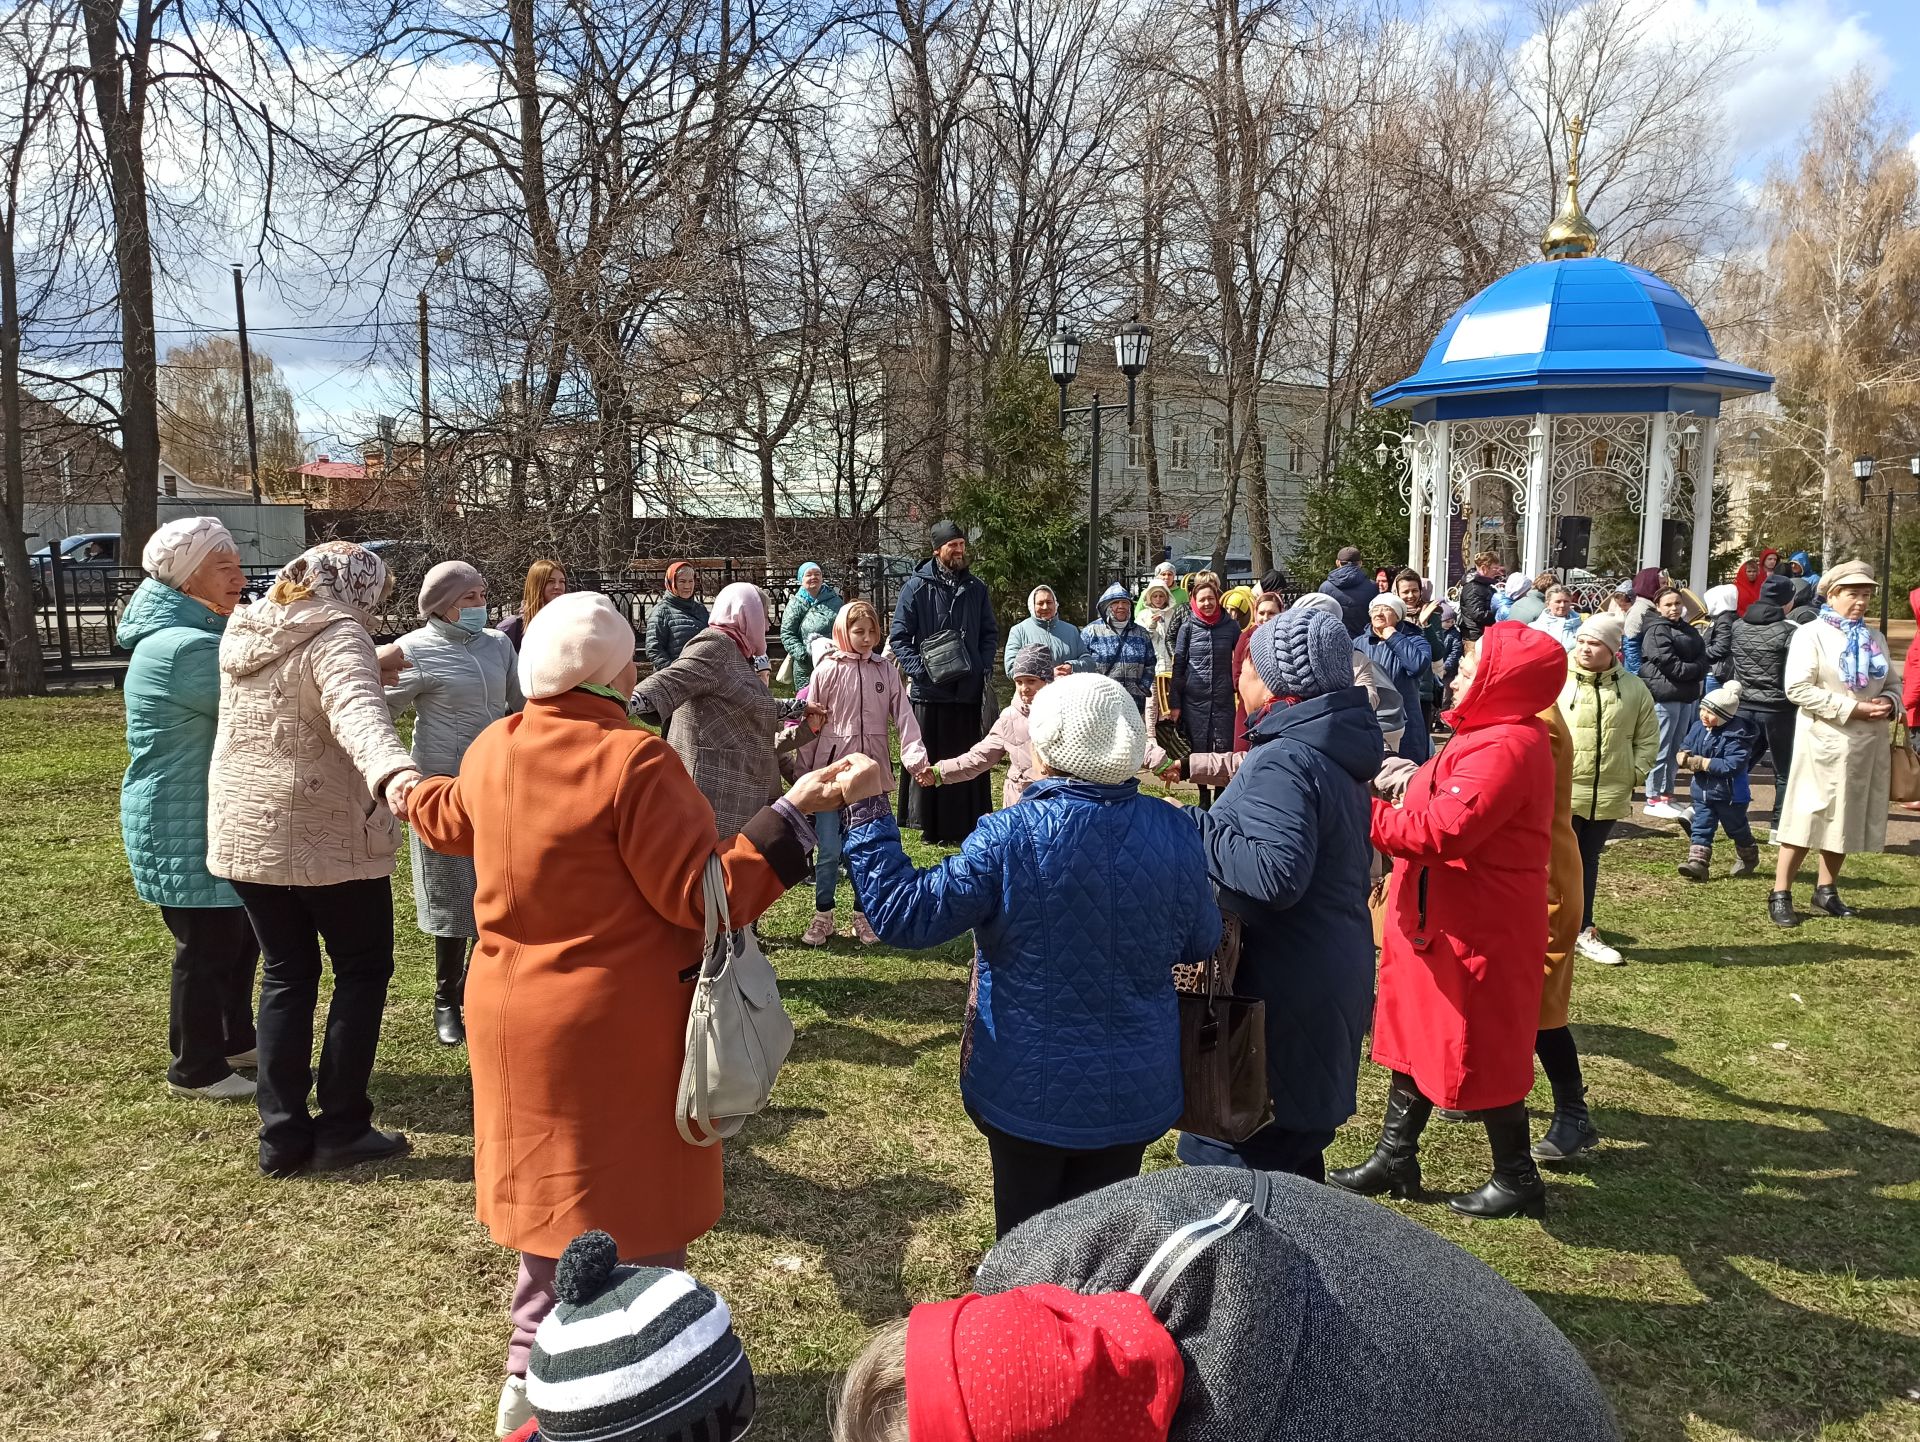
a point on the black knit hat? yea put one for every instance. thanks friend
(943, 531)
(635, 1354)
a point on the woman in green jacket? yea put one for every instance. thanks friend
(809, 613)
(1616, 733)
(173, 626)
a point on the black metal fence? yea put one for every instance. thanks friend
(79, 604)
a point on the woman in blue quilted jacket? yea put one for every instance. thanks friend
(173, 626)
(1081, 900)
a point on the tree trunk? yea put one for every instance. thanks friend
(121, 118)
(25, 668)
(1253, 466)
(763, 447)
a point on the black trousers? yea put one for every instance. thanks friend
(355, 919)
(1778, 728)
(1271, 1149)
(1030, 1177)
(210, 1014)
(1592, 836)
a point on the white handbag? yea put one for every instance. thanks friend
(738, 1033)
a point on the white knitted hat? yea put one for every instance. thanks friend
(1087, 726)
(174, 551)
(577, 640)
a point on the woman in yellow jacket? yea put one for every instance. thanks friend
(1615, 736)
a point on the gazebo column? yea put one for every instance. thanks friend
(1533, 550)
(1703, 505)
(1654, 506)
(1420, 477)
(1440, 512)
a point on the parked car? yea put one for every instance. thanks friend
(88, 563)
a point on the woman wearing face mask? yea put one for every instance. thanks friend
(173, 626)
(1836, 797)
(459, 679)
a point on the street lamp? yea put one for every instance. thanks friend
(1132, 346)
(1886, 530)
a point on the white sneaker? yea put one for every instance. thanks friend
(515, 1410)
(1662, 808)
(229, 1088)
(1589, 945)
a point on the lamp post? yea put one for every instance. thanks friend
(1131, 346)
(1886, 530)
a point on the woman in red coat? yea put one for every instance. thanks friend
(1460, 971)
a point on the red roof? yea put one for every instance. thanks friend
(331, 471)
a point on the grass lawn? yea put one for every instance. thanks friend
(1740, 1260)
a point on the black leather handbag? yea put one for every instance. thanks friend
(1223, 1046)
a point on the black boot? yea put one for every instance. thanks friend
(1780, 909)
(450, 989)
(1699, 863)
(1515, 1188)
(1394, 1167)
(1570, 1133)
(1827, 899)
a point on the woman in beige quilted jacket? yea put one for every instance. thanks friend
(307, 777)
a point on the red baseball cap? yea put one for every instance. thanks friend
(1041, 1362)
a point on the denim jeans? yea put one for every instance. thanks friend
(1674, 718)
(827, 861)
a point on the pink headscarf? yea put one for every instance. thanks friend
(741, 611)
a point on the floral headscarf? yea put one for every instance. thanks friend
(338, 571)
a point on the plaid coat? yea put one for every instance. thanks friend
(724, 724)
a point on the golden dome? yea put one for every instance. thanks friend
(1571, 236)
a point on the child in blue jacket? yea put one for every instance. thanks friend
(1718, 751)
(1081, 901)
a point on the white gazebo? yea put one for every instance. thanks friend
(1567, 415)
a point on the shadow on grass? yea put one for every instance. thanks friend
(1789, 950)
(837, 1041)
(1804, 1189)
(861, 1232)
(845, 997)
(423, 1102)
(792, 1404)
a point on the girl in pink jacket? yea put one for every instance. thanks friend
(861, 691)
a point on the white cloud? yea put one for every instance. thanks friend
(1796, 50)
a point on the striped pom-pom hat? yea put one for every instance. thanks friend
(635, 1354)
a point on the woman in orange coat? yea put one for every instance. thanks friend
(590, 845)
(1571, 1130)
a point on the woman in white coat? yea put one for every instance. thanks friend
(1840, 678)
(459, 678)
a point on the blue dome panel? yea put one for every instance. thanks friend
(1585, 323)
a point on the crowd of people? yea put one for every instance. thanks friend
(1362, 882)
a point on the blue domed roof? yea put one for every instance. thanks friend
(1562, 329)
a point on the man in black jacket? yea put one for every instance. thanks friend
(1352, 587)
(1673, 663)
(942, 603)
(1476, 595)
(1760, 640)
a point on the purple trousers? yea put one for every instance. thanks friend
(533, 1298)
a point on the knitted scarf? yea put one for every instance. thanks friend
(1863, 659)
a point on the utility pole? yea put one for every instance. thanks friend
(246, 382)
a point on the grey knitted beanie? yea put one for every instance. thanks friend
(1303, 654)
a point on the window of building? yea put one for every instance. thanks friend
(1178, 448)
(1136, 451)
(1215, 457)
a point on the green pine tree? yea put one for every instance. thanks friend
(1359, 504)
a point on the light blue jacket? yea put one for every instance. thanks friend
(173, 707)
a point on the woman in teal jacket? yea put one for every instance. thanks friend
(173, 626)
(810, 612)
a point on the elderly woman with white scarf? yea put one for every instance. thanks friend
(306, 780)
(1839, 676)
(173, 626)
(459, 678)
